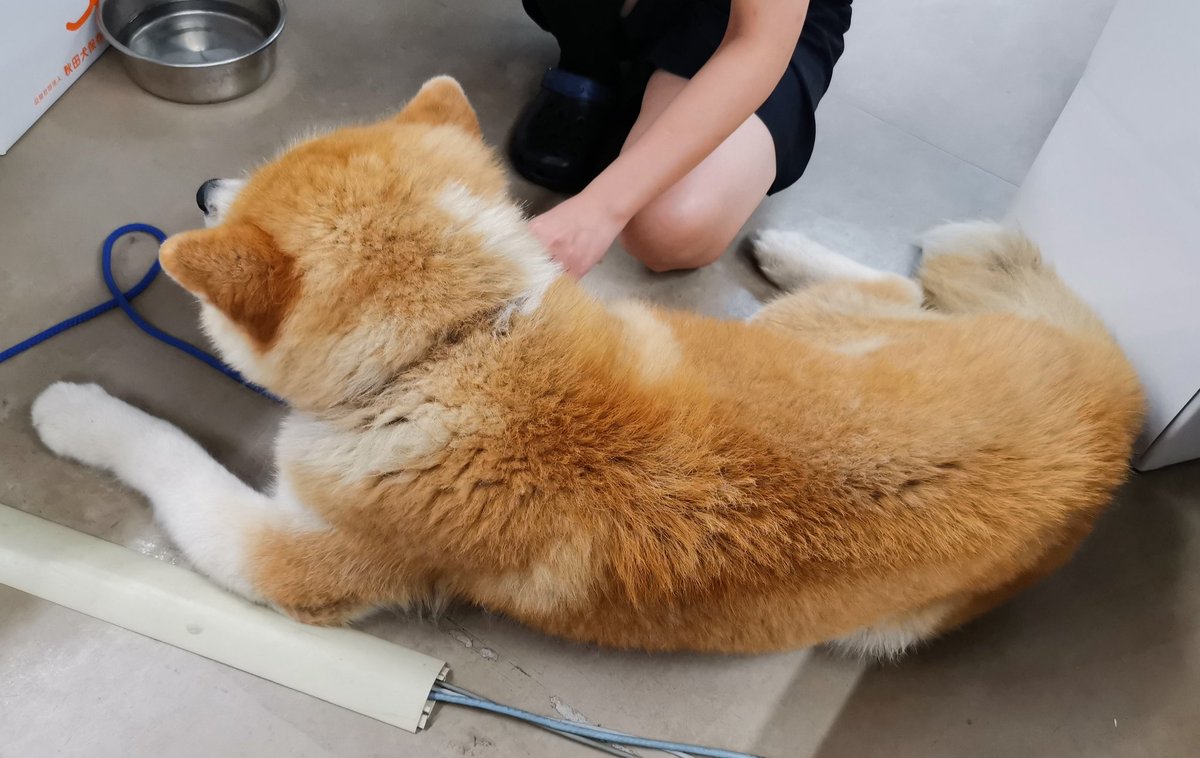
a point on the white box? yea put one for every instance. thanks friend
(1114, 198)
(45, 45)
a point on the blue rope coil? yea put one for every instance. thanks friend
(123, 301)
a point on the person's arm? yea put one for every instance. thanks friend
(735, 81)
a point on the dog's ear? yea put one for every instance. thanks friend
(441, 101)
(238, 269)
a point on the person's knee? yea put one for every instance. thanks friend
(672, 234)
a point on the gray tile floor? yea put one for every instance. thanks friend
(937, 110)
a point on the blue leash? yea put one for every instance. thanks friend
(122, 300)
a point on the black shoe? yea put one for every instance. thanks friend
(561, 140)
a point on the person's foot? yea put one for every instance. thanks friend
(562, 139)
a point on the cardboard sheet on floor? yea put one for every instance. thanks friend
(179, 607)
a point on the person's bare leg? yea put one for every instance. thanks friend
(694, 221)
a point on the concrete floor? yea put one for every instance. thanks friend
(936, 112)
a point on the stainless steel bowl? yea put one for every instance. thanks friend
(195, 51)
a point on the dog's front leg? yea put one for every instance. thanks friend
(208, 512)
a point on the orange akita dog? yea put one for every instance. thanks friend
(869, 460)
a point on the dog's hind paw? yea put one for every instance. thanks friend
(791, 260)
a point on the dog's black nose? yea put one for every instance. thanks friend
(202, 193)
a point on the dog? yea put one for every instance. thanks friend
(869, 461)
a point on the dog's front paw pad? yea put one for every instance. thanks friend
(70, 419)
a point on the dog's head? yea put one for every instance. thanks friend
(352, 255)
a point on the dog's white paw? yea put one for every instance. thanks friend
(79, 421)
(777, 254)
(792, 260)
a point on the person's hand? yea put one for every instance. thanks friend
(577, 232)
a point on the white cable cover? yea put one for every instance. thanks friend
(175, 605)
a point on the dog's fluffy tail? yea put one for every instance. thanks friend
(983, 267)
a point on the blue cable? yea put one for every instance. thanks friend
(122, 300)
(582, 730)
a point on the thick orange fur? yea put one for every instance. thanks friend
(848, 465)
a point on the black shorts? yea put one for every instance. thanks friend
(679, 36)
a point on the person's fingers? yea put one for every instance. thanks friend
(573, 267)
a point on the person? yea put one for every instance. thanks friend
(672, 120)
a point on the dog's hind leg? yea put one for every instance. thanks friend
(831, 297)
(790, 261)
(211, 515)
